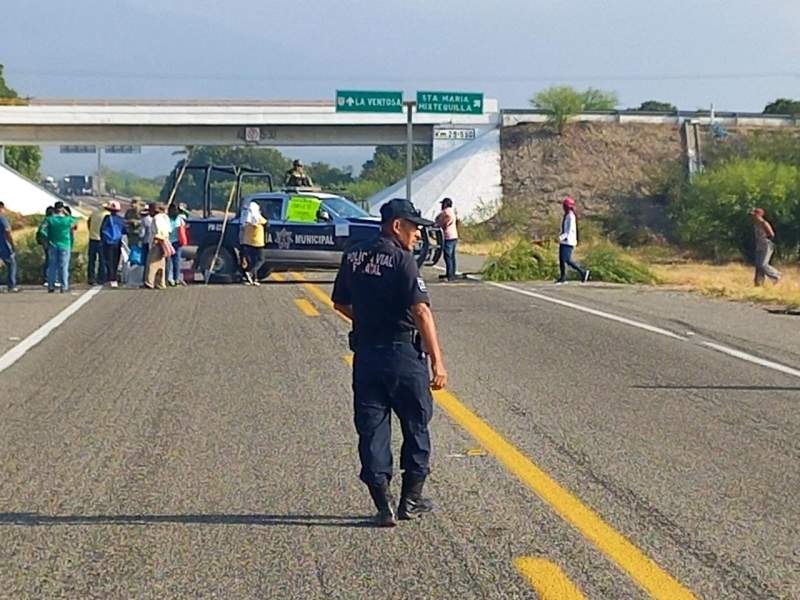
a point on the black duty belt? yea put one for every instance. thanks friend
(401, 336)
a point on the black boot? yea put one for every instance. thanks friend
(412, 504)
(382, 497)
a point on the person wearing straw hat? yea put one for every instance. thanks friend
(111, 232)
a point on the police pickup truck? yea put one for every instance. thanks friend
(307, 229)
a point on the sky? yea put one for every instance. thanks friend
(737, 54)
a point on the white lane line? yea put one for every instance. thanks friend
(591, 311)
(18, 351)
(753, 359)
(714, 346)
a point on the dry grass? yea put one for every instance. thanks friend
(484, 248)
(733, 281)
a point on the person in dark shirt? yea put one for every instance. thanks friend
(296, 176)
(379, 288)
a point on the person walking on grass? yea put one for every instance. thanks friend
(59, 228)
(111, 231)
(8, 256)
(764, 246)
(567, 241)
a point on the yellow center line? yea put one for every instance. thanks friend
(348, 359)
(642, 569)
(547, 579)
(306, 307)
(317, 292)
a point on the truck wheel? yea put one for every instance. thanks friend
(224, 268)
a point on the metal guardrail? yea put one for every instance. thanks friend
(514, 116)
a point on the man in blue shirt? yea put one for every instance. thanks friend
(7, 254)
(380, 289)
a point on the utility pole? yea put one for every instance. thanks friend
(98, 186)
(409, 104)
(2, 154)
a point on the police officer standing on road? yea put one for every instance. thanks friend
(379, 287)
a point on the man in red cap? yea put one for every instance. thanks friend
(567, 241)
(764, 234)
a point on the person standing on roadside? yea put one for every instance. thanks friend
(111, 232)
(133, 222)
(158, 253)
(8, 255)
(446, 219)
(176, 222)
(252, 242)
(97, 264)
(567, 240)
(41, 239)
(59, 228)
(379, 288)
(147, 233)
(764, 246)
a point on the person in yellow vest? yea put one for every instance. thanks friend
(253, 232)
(97, 263)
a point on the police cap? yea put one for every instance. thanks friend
(400, 208)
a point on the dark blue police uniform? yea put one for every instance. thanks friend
(381, 281)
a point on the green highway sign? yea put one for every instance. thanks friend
(464, 103)
(123, 149)
(360, 101)
(73, 149)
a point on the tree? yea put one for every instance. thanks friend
(388, 163)
(594, 99)
(656, 106)
(24, 159)
(783, 106)
(328, 176)
(564, 102)
(5, 91)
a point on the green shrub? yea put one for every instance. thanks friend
(524, 262)
(30, 258)
(521, 262)
(713, 214)
(610, 263)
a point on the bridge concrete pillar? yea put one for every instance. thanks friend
(2, 154)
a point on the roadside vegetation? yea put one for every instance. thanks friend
(690, 234)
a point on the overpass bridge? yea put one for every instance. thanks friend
(220, 122)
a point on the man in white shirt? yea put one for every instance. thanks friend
(567, 241)
(155, 276)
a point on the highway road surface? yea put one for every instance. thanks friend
(595, 443)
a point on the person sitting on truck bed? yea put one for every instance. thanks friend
(296, 176)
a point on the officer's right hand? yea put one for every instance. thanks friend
(439, 377)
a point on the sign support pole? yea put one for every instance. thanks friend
(409, 145)
(2, 154)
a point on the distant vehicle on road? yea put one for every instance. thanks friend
(307, 228)
(76, 185)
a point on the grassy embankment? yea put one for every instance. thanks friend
(514, 258)
(30, 255)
